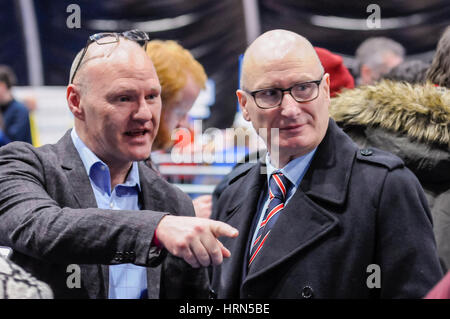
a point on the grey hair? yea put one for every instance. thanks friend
(75, 63)
(371, 51)
(88, 56)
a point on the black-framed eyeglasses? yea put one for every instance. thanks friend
(112, 37)
(272, 97)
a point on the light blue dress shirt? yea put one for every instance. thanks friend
(294, 172)
(126, 281)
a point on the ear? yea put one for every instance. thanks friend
(326, 86)
(73, 96)
(3, 88)
(366, 74)
(242, 98)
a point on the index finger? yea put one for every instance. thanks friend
(222, 229)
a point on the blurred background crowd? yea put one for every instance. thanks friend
(43, 37)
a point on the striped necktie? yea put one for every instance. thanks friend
(278, 189)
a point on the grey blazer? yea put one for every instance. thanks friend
(49, 216)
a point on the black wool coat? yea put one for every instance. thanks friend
(357, 227)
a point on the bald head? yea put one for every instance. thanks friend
(95, 55)
(274, 46)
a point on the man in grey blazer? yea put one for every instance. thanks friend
(345, 223)
(85, 215)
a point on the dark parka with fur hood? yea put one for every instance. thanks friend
(412, 122)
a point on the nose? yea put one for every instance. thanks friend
(289, 106)
(144, 110)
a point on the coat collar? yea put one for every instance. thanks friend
(328, 176)
(76, 174)
(151, 186)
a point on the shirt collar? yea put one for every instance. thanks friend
(90, 161)
(294, 170)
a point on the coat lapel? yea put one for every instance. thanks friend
(76, 173)
(151, 201)
(149, 180)
(300, 224)
(304, 220)
(240, 216)
(96, 277)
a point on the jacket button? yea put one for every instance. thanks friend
(366, 152)
(118, 256)
(212, 294)
(307, 292)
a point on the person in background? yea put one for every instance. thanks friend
(89, 201)
(317, 216)
(439, 74)
(340, 76)
(15, 114)
(3, 138)
(375, 57)
(439, 71)
(410, 118)
(32, 105)
(181, 77)
(411, 121)
(410, 71)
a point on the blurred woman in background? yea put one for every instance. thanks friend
(181, 77)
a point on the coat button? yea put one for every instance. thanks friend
(366, 152)
(212, 294)
(307, 292)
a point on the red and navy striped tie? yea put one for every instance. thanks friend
(278, 189)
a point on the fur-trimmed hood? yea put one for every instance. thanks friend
(421, 112)
(411, 121)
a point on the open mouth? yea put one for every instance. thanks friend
(134, 133)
